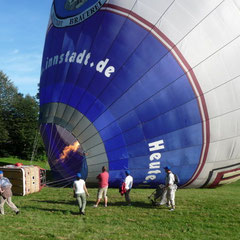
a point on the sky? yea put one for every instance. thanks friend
(22, 35)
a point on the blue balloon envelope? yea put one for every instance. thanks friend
(117, 91)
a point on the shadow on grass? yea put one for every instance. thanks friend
(135, 204)
(55, 202)
(52, 210)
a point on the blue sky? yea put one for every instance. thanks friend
(22, 35)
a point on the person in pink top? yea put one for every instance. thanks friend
(103, 186)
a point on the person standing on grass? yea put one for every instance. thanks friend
(103, 178)
(6, 194)
(128, 186)
(170, 187)
(80, 191)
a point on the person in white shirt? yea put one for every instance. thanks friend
(128, 186)
(80, 191)
(170, 187)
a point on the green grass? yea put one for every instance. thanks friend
(12, 160)
(53, 214)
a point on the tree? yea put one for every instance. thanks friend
(7, 93)
(4, 137)
(18, 121)
(23, 118)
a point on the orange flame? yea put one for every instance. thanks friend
(71, 148)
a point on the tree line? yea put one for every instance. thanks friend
(18, 123)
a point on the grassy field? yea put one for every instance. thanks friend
(53, 214)
(10, 160)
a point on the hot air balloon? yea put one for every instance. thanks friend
(143, 84)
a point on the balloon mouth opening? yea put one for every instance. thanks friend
(66, 156)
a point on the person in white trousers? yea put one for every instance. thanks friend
(170, 187)
(128, 186)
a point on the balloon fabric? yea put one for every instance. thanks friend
(139, 85)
